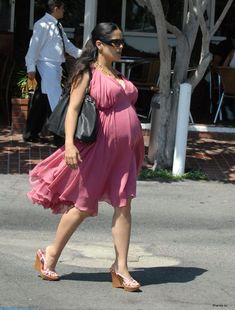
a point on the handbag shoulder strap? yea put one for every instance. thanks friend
(88, 85)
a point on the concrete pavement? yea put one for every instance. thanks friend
(182, 251)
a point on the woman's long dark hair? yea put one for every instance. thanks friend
(102, 31)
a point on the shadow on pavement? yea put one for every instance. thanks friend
(146, 276)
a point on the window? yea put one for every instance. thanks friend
(74, 13)
(227, 25)
(5, 15)
(39, 9)
(109, 11)
(139, 19)
(174, 11)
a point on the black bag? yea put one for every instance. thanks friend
(87, 124)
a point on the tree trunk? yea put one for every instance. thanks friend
(170, 81)
(165, 140)
(162, 136)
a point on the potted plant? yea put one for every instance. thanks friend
(20, 101)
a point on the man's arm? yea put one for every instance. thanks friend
(37, 40)
(70, 48)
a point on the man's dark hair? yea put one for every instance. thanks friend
(51, 4)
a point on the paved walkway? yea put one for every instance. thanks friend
(213, 153)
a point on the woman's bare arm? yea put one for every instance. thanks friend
(77, 94)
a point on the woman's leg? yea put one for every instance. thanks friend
(121, 230)
(68, 224)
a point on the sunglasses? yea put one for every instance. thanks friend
(114, 42)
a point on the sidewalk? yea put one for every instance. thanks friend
(213, 153)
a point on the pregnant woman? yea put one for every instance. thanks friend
(77, 176)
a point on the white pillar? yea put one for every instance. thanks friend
(182, 129)
(12, 16)
(89, 18)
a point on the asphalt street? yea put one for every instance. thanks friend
(182, 251)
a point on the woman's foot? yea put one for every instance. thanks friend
(50, 258)
(123, 280)
(41, 266)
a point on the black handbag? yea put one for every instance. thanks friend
(87, 124)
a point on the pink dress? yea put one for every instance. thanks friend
(109, 167)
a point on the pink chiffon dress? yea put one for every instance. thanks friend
(109, 167)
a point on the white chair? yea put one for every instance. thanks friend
(214, 89)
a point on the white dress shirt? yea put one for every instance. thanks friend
(46, 44)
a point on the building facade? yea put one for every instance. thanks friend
(137, 22)
(18, 16)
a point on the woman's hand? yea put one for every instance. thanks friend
(72, 156)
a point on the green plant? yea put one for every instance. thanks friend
(22, 83)
(196, 175)
(164, 174)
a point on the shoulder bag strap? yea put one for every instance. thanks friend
(88, 85)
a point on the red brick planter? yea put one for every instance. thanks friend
(19, 113)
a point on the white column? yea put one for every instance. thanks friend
(31, 14)
(12, 16)
(182, 129)
(89, 18)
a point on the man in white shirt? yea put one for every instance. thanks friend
(46, 54)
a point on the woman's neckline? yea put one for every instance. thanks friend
(112, 74)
